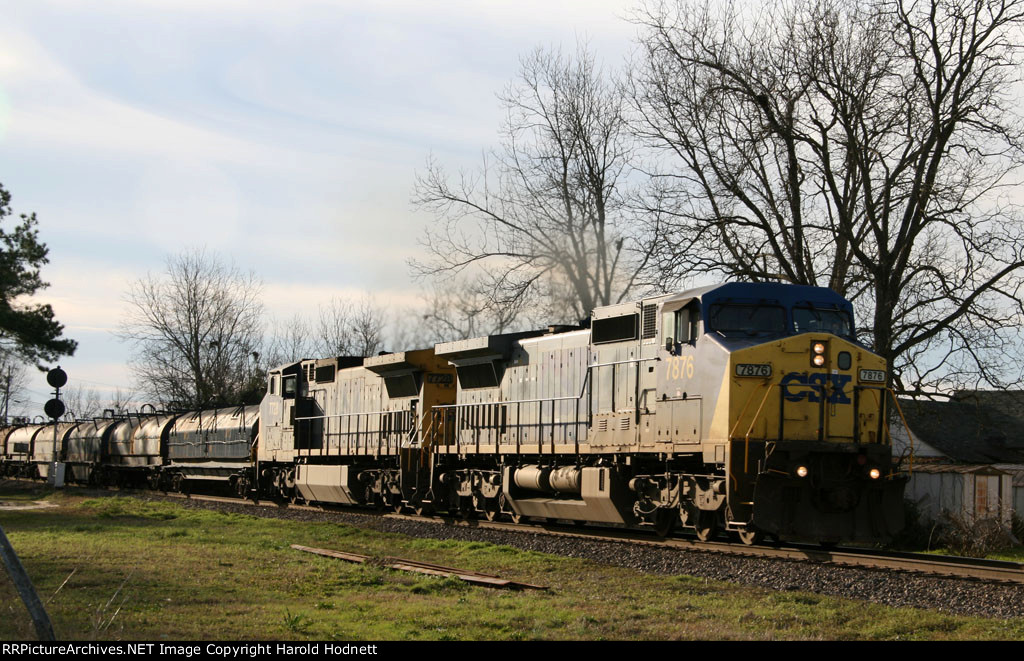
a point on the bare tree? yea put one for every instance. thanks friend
(457, 313)
(546, 216)
(367, 328)
(194, 329)
(121, 402)
(345, 328)
(864, 145)
(289, 341)
(13, 381)
(80, 403)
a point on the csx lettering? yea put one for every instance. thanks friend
(813, 385)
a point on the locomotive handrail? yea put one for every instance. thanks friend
(623, 362)
(739, 418)
(882, 416)
(750, 429)
(381, 435)
(910, 438)
(442, 409)
(507, 401)
(583, 391)
(348, 415)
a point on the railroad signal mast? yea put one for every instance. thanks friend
(54, 409)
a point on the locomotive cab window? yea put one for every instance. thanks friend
(288, 387)
(681, 326)
(819, 320)
(738, 320)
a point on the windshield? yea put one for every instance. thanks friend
(809, 320)
(734, 320)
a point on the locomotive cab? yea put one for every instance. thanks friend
(791, 414)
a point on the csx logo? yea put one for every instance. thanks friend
(797, 387)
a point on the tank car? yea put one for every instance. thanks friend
(744, 407)
(17, 449)
(85, 450)
(137, 450)
(211, 445)
(48, 446)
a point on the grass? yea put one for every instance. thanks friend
(156, 570)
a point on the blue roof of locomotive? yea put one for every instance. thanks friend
(787, 295)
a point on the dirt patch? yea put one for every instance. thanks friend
(13, 505)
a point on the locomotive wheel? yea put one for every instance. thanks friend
(665, 520)
(370, 496)
(707, 526)
(456, 505)
(491, 511)
(750, 537)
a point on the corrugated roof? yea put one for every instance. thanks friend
(1016, 470)
(968, 432)
(963, 469)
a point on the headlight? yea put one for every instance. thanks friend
(818, 351)
(875, 473)
(801, 471)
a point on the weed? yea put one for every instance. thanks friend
(102, 618)
(439, 585)
(297, 623)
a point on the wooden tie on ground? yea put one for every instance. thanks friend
(425, 568)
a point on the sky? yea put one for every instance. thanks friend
(284, 137)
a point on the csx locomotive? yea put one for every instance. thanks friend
(748, 408)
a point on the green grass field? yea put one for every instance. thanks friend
(159, 571)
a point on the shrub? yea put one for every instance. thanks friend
(963, 534)
(918, 532)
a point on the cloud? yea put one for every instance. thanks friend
(283, 135)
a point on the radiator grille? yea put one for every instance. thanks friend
(650, 321)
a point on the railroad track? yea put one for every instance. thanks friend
(996, 571)
(979, 569)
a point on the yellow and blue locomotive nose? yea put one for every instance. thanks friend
(810, 455)
(814, 386)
